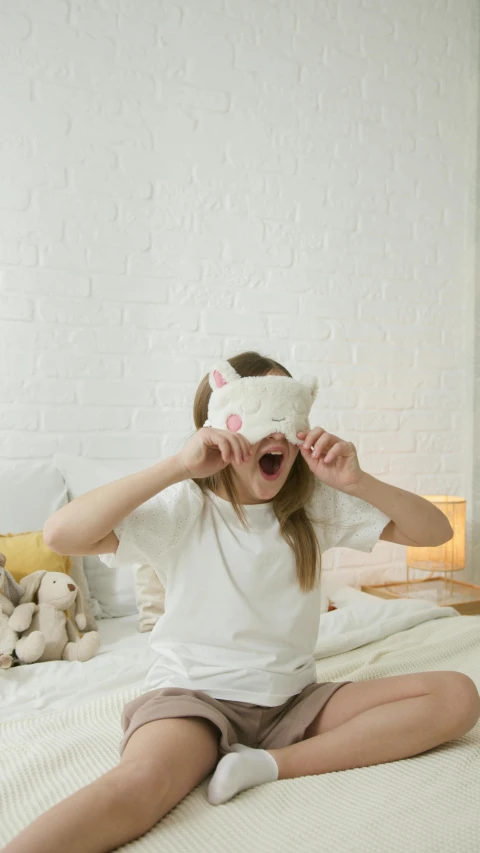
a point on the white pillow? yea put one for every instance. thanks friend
(31, 492)
(113, 589)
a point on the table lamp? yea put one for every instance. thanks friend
(447, 558)
(439, 559)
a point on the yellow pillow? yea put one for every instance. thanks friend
(26, 553)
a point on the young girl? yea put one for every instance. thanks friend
(234, 525)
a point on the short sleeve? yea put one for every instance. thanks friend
(344, 521)
(155, 526)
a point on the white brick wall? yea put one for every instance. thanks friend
(181, 182)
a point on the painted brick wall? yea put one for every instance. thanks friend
(182, 182)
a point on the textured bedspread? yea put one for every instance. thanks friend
(426, 803)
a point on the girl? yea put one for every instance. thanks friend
(235, 530)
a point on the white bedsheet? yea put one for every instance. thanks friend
(125, 654)
(123, 660)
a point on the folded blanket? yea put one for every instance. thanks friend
(363, 618)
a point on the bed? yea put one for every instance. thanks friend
(60, 729)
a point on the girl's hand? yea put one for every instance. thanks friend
(332, 460)
(210, 450)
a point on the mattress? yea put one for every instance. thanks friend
(428, 803)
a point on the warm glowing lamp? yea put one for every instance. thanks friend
(449, 557)
(441, 560)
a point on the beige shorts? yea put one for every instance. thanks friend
(237, 722)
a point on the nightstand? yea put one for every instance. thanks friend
(464, 597)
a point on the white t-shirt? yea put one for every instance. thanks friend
(236, 624)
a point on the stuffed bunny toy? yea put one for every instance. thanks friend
(57, 637)
(10, 594)
(10, 591)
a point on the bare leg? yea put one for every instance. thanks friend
(162, 762)
(446, 706)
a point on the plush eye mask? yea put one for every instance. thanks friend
(256, 406)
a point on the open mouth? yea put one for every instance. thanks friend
(271, 465)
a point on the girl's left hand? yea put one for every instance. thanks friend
(332, 460)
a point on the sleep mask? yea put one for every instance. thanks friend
(257, 406)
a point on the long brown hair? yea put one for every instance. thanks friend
(289, 504)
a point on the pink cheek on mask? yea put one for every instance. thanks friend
(234, 423)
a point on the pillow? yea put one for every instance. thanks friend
(112, 589)
(31, 493)
(26, 553)
(150, 596)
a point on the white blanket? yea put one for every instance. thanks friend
(123, 659)
(125, 655)
(424, 804)
(363, 618)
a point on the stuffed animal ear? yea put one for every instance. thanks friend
(222, 373)
(30, 584)
(79, 610)
(3, 559)
(11, 588)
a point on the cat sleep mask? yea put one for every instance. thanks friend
(257, 406)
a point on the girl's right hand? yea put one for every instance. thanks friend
(210, 450)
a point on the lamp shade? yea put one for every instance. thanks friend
(449, 557)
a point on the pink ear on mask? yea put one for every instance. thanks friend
(234, 423)
(219, 380)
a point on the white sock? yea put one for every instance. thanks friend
(240, 770)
